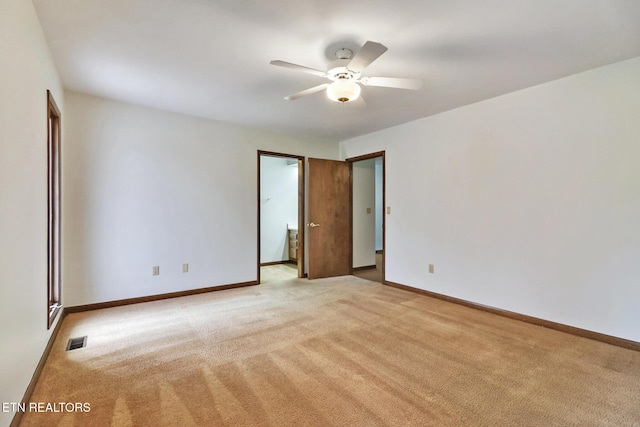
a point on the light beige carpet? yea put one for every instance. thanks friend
(372, 274)
(330, 352)
(278, 272)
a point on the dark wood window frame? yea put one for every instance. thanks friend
(54, 285)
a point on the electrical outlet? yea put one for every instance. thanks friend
(432, 268)
(156, 270)
(185, 268)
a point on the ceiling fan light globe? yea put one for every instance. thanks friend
(343, 91)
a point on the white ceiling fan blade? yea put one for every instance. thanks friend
(299, 68)
(366, 55)
(307, 92)
(394, 82)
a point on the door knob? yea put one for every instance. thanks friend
(314, 225)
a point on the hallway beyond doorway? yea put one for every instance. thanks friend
(374, 273)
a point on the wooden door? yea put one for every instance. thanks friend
(329, 229)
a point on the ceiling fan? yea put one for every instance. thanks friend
(345, 73)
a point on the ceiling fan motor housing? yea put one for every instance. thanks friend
(344, 87)
(338, 70)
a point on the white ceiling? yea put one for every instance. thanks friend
(210, 58)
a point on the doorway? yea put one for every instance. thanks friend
(367, 206)
(280, 216)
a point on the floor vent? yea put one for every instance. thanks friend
(75, 343)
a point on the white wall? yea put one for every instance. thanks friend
(26, 72)
(364, 224)
(278, 206)
(529, 202)
(145, 187)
